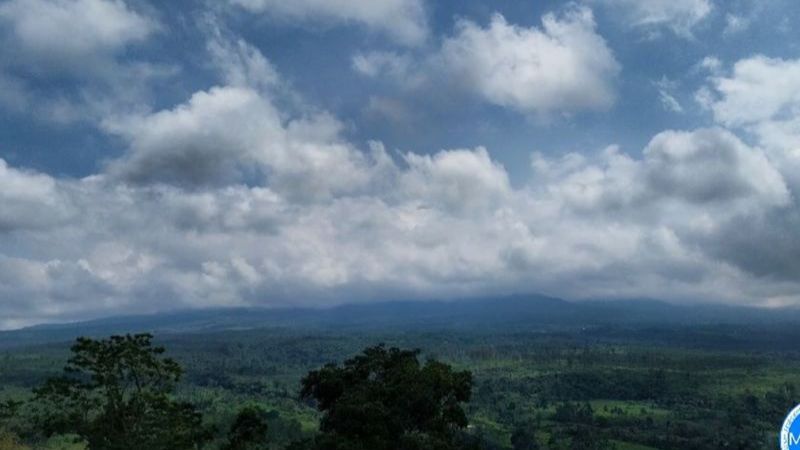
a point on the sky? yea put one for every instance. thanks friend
(161, 156)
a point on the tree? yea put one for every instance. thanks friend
(249, 430)
(524, 438)
(9, 441)
(9, 410)
(116, 394)
(387, 400)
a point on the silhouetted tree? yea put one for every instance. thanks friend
(385, 399)
(115, 394)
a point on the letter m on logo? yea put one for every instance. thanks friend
(794, 440)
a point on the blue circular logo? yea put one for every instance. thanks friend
(790, 432)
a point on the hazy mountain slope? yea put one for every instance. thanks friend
(508, 313)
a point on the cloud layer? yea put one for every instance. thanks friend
(443, 225)
(243, 192)
(226, 200)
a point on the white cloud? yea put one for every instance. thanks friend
(758, 89)
(194, 143)
(30, 200)
(561, 68)
(72, 34)
(712, 64)
(761, 96)
(234, 135)
(712, 165)
(564, 67)
(227, 199)
(669, 102)
(403, 20)
(708, 169)
(66, 59)
(442, 225)
(240, 63)
(456, 180)
(681, 16)
(666, 88)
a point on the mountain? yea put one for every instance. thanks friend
(515, 313)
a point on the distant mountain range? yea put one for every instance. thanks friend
(514, 313)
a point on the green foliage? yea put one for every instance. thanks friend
(115, 394)
(574, 413)
(10, 441)
(386, 400)
(249, 430)
(63, 442)
(9, 409)
(629, 389)
(524, 438)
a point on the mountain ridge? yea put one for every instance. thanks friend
(515, 312)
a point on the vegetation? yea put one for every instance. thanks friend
(627, 389)
(115, 395)
(249, 430)
(385, 399)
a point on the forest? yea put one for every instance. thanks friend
(598, 387)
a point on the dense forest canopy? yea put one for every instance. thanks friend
(600, 388)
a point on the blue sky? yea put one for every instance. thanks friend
(164, 155)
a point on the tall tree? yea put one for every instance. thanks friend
(249, 430)
(385, 399)
(116, 394)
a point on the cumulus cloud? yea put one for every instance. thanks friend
(696, 199)
(758, 96)
(403, 20)
(708, 169)
(680, 16)
(69, 34)
(562, 67)
(234, 134)
(230, 199)
(442, 225)
(712, 165)
(29, 199)
(456, 180)
(194, 144)
(48, 42)
(757, 89)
